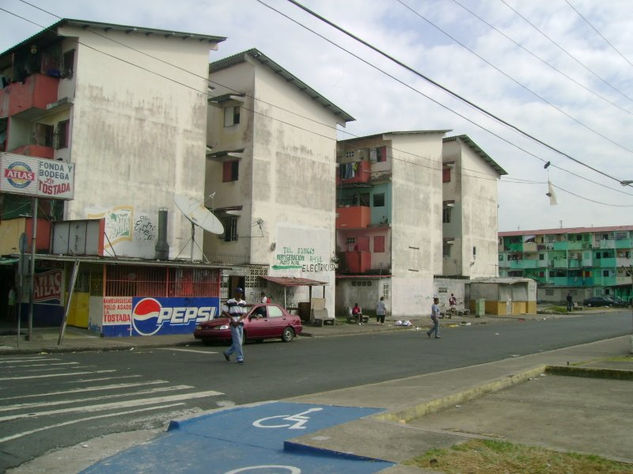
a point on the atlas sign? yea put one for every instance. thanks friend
(37, 177)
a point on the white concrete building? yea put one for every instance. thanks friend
(469, 209)
(270, 176)
(128, 106)
(389, 232)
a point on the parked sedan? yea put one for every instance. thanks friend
(263, 321)
(598, 301)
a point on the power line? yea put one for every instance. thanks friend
(543, 61)
(445, 89)
(287, 110)
(598, 32)
(515, 80)
(584, 66)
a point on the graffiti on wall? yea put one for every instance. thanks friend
(144, 228)
(118, 224)
(305, 259)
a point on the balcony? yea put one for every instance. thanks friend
(358, 172)
(353, 217)
(36, 92)
(37, 151)
(358, 261)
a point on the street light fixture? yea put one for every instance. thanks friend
(626, 182)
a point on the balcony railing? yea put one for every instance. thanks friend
(37, 91)
(354, 173)
(38, 151)
(353, 217)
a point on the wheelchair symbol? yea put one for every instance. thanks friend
(293, 422)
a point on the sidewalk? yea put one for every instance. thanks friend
(528, 400)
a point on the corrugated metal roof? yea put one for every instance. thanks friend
(277, 69)
(294, 281)
(395, 133)
(567, 230)
(474, 147)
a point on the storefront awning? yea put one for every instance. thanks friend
(294, 281)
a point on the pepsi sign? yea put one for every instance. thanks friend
(156, 316)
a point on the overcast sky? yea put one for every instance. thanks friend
(558, 70)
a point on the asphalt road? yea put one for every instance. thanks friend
(48, 401)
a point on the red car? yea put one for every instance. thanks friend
(263, 321)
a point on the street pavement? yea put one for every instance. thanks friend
(572, 399)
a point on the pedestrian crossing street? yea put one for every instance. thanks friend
(44, 398)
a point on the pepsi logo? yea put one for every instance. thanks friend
(149, 315)
(145, 316)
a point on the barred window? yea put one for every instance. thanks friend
(127, 280)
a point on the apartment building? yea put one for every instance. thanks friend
(470, 179)
(584, 261)
(127, 106)
(389, 220)
(270, 178)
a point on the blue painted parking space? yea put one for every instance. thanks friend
(246, 440)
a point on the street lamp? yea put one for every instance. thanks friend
(626, 182)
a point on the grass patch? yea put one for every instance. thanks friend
(485, 456)
(622, 358)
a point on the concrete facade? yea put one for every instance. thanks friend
(397, 186)
(470, 215)
(271, 166)
(129, 109)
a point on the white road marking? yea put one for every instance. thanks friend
(21, 406)
(65, 374)
(26, 359)
(186, 350)
(39, 365)
(115, 386)
(66, 423)
(101, 379)
(115, 406)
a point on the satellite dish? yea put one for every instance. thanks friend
(198, 214)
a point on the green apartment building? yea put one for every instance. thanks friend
(583, 261)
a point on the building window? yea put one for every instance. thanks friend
(446, 174)
(446, 249)
(541, 256)
(230, 171)
(231, 115)
(69, 63)
(349, 154)
(381, 153)
(474, 252)
(605, 273)
(379, 244)
(446, 214)
(61, 134)
(230, 228)
(379, 200)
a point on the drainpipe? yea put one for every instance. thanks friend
(162, 247)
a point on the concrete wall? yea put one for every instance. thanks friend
(287, 180)
(416, 220)
(474, 218)
(364, 291)
(137, 138)
(458, 286)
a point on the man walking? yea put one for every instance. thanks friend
(236, 310)
(435, 317)
(381, 310)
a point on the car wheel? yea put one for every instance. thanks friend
(288, 334)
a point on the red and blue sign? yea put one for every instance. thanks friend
(159, 316)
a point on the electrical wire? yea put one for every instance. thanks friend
(273, 105)
(584, 66)
(598, 32)
(523, 86)
(543, 61)
(447, 90)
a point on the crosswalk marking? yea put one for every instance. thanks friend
(65, 374)
(101, 379)
(95, 388)
(116, 405)
(89, 418)
(22, 406)
(25, 359)
(39, 365)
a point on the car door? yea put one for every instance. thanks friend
(257, 326)
(276, 320)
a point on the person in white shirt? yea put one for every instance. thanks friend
(435, 317)
(235, 309)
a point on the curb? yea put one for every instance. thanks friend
(432, 406)
(616, 374)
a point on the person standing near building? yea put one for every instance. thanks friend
(236, 310)
(452, 305)
(381, 310)
(570, 302)
(435, 317)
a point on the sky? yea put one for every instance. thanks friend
(559, 73)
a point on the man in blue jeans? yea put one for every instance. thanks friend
(235, 310)
(435, 317)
